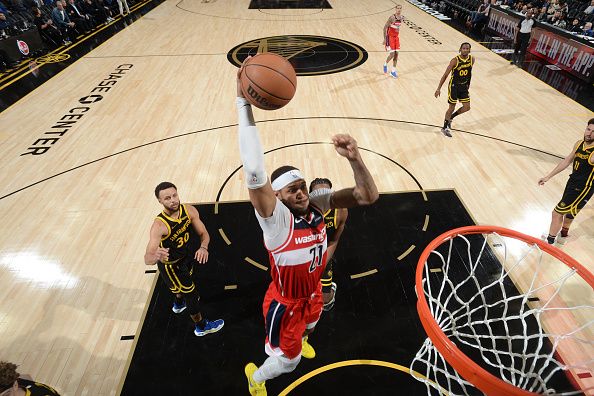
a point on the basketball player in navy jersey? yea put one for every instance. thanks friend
(392, 39)
(295, 236)
(169, 248)
(335, 220)
(460, 71)
(579, 188)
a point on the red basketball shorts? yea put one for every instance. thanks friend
(286, 320)
(392, 43)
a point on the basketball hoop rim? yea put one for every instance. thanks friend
(468, 369)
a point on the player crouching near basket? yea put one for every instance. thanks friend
(292, 222)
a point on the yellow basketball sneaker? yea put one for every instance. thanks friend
(307, 350)
(255, 388)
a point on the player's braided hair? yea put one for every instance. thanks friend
(319, 180)
(8, 375)
(463, 44)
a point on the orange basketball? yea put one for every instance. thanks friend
(268, 81)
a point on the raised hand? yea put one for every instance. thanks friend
(346, 146)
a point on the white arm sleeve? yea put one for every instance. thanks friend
(250, 149)
(276, 228)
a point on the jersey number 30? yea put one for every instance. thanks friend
(181, 240)
(316, 259)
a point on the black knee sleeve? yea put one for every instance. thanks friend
(193, 302)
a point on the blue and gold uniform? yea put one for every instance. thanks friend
(460, 80)
(331, 227)
(177, 271)
(33, 388)
(331, 220)
(579, 186)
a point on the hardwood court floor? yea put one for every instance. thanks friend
(76, 217)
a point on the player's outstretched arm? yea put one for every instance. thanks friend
(560, 166)
(252, 157)
(153, 252)
(365, 190)
(201, 254)
(445, 76)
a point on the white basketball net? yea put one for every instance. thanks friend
(506, 332)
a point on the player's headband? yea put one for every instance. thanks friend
(286, 178)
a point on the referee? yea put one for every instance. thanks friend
(522, 38)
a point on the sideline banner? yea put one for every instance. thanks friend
(502, 24)
(570, 55)
(14, 48)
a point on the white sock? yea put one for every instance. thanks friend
(385, 64)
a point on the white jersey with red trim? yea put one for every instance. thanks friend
(297, 247)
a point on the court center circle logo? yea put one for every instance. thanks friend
(309, 55)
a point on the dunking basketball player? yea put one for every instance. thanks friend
(460, 68)
(579, 188)
(335, 220)
(392, 39)
(168, 247)
(295, 236)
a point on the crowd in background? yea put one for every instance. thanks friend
(575, 16)
(59, 22)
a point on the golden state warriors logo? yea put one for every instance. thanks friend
(309, 55)
(53, 58)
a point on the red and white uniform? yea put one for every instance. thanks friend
(297, 251)
(393, 34)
